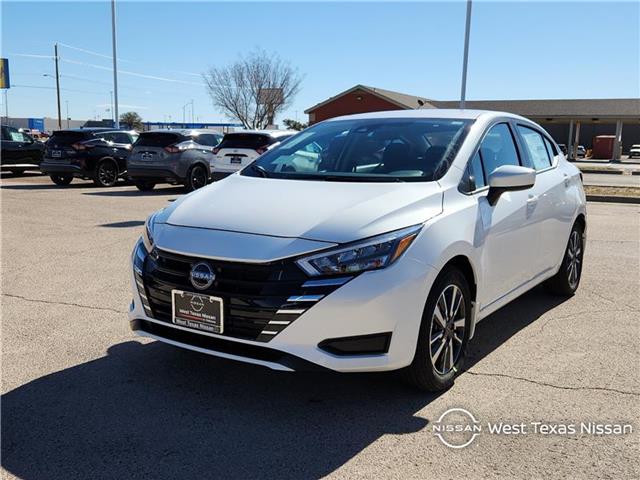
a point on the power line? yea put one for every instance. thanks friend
(91, 52)
(135, 74)
(53, 88)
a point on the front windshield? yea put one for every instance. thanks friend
(389, 149)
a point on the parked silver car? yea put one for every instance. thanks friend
(172, 156)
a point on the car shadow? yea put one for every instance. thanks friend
(134, 192)
(26, 174)
(47, 186)
(155, 411)
(503, 324)
(125, 224)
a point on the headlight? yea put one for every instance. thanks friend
(147, 235)
(372, 254)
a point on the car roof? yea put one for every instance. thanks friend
(447, 113)
(93, 130)
(272, 133)
(183, 131)
(88, 129)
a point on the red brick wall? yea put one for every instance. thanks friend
(357, 101)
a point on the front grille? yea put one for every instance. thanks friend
(260, 300)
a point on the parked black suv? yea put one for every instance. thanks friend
(98, 154)
(20, 151)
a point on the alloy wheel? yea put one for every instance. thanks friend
(198, 178)
(107, 173)
(447, 329)
(574, 258)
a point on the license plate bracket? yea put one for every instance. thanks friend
(197, 311)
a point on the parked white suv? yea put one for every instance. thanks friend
(373, 242)
(239, 149)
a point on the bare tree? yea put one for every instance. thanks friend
(254, 89)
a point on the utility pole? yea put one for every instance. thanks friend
(192, 114)
(55, 50)
(115, 64)
(6, 106)
(68, 117)
(467, 29)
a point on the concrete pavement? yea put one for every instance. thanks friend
(83, 398)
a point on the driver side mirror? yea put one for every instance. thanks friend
(509, 178)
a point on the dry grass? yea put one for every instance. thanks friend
(612, 191)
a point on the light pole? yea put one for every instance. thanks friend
(467, 29)
(112, 109)
(68, 117)
(115, 64)
(55, 51)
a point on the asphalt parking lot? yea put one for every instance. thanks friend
(82, 397)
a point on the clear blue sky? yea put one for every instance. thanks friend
(518, 50)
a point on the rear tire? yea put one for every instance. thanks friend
(145, 186)
(61, 180)
(444, 333)
(106, 174)
(197, 177)
(566, 281)
(18, 171)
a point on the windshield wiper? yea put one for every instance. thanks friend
(359, 178)
(261, 170)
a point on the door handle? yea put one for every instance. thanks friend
(532, 200)
(567, 180)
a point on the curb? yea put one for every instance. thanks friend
(606, 172)
(613, 199)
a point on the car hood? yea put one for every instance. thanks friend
(325, 211)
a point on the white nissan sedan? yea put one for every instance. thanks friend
(368, 242)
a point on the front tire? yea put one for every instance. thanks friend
(444, 333)
(106, 174)
(61, 180)
(197, 177)
(566, 281)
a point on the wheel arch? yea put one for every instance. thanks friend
(464, 264)
(202, 163)
(581, 220)
(96, 162)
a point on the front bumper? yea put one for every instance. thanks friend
(386, 304)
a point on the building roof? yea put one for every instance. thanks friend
(402, 100)
(578, 108)
(596, 107)
(438, 113)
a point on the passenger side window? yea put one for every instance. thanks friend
(107, 137)
(120, 137)
(498, 149)
(207, 139)
(551, 149)
(536, 148)
(14, 135)
(476, 173)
